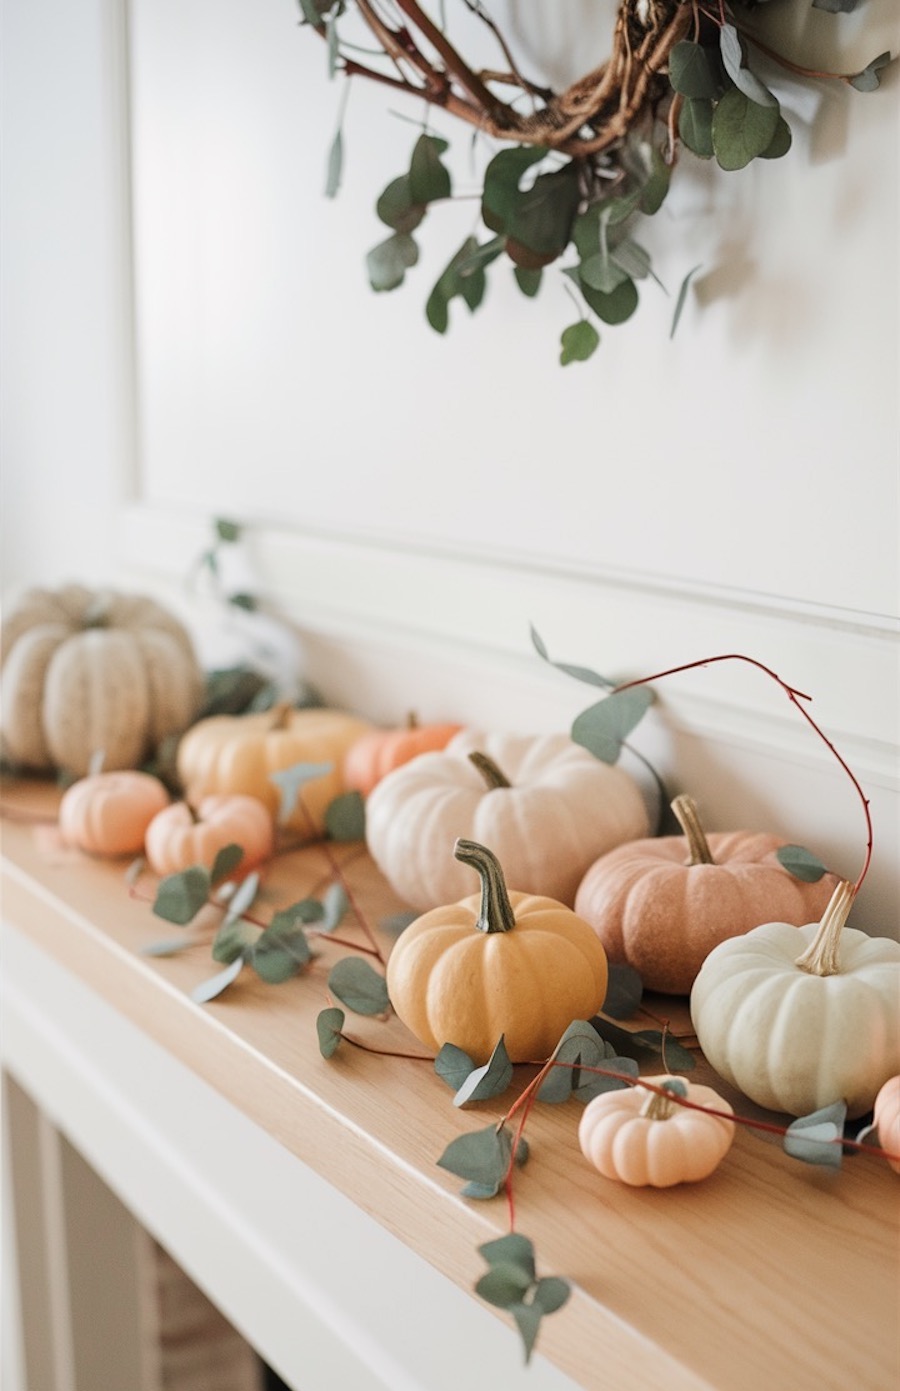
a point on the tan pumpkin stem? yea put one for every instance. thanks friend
(659, 1105)
(96, 615)
(496, 913)
(822, 956)
(493, 776)
(412, 720)
(685, 809)
(280, 715)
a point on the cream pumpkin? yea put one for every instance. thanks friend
(108, 813)
(239, 753)
(798, 1018)
(180, 836)
(497, 963)
(88, 673)
(661, 905)
(649, 1140)
(545, 806)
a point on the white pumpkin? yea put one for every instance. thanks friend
(87, 673)
(542, 804)
(798, 1018)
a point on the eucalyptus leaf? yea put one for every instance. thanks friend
(741, 129)
(591, 678)
(329, 1023)
(631, 258)
(624, 991)
(579, 1044)
(170, 946)
(335, 166)
(528, 281)
(282, 950)
(345, 817)
(780, 143)
(541, 217)
(388, 262)
(504, 1285)
(289, 781)
(868, 80)
(601, 272)
(227, 860)
(691, 71)
(682, 299)
(453, 1065)
(528, 1322)
(429, 179)
(202, 994)
(695, 126)
(578, 342)
(816, 1138)
(551, 1293)
(501, 183)
(232, 940)
(513, 1249)
(488, 1081)
(358, 986)
(334, 906)
(596, 1084)
(227, 530)
(643, 1044)
(396, 208)
(179, 897)
(801, 863)
(603, 727)
(313, 11)
(480, 1156)
(398, 922)
(242, 897)
(744, 79)
(455, 282)
(614, 308)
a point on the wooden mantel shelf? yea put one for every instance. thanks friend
(769, 1274)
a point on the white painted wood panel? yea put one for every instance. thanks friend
(757, 451)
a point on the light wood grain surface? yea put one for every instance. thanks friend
(769, 1273)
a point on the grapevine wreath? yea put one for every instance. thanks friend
(571, 173)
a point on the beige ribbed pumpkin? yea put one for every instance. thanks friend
(85, 673)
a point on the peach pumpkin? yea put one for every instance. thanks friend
(661, 905)
(886, 1115)
(380, 751)
(108, 813)
(180, 837)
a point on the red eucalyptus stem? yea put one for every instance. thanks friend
(795, 698)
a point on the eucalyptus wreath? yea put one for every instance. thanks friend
(576, 170)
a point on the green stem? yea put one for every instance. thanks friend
(496, 913)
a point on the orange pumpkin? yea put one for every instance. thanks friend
(239, 753)
(181, 837)
(380, 751)
(108, 813)
(886, 1115)
(661, 905)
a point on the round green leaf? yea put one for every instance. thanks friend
(579, 342)
(741, 129)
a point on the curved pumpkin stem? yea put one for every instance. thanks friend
(280, 715)
(822, 956)
(493, 776)
(496, 913)
(685, 809)
(660, 1104)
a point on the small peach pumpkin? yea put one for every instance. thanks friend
(180, 837)
(661, 905)
(496, 963)
(379, 751)
(108, 813)
(887, 1119)
(646, 1138)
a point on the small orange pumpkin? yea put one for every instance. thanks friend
(646, 1139)
(108, 813)
(496, 963)
(380, 751)
(661, 905)
(181, 837)
(886, 1115)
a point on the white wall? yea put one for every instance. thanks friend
(414, 502)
